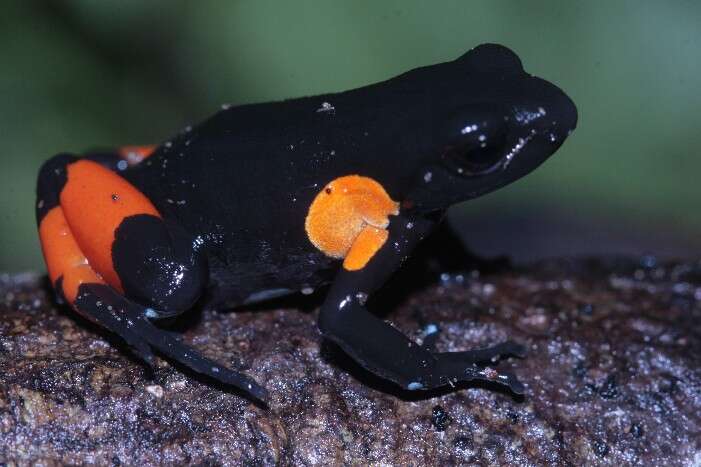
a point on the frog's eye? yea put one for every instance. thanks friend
(478, 150)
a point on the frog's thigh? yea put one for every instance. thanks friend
(104, 224)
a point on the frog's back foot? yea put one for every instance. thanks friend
(128, 320)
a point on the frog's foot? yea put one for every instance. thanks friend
(129, 321)
(431, 332)
(472, 365)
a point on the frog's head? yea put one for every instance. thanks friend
(491, 124)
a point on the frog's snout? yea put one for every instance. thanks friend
(563, 115)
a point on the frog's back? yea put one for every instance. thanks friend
(242, 183)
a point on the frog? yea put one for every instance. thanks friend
(330, 192)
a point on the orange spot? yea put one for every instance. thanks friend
(135, 154)
(342, 210)
(368, 242)
(95, 201)
(63, 255)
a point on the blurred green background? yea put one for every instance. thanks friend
(81, 74)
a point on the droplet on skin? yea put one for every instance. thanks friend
(326, 107)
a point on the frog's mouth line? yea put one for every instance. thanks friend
(517, 148)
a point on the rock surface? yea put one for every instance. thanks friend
(613, 377)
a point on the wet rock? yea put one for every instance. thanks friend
(613, 376)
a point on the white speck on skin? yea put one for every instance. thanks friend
(468, 129)
(307, 291)
(428, 176)
(344, 302)
(122, 165)
(326, 107)
(414, 385)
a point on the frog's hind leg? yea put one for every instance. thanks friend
(99, 236)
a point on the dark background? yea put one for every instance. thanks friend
(84, 74)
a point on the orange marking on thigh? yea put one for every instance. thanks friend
(95, 201)
(63, 255)
(342, 210)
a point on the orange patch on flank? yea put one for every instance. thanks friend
(95, 201)
(63, 256)
(342, 211)
(135, 154)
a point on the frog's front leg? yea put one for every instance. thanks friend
(381, 348)
(117, 262)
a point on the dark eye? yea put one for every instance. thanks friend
(478, 150)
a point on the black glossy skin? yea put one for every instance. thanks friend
(234, 192)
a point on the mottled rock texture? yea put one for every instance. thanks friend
(613, 377)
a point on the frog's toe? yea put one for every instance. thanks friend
(473, 365)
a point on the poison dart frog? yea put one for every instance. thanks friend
(270, 199)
